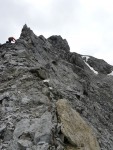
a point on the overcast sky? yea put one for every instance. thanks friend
(86, 24)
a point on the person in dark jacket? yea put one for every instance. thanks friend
(11, 39)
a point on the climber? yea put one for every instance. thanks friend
(11, 39)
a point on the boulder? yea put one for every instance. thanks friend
(77, 132)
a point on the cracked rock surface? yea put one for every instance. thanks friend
(35, 75)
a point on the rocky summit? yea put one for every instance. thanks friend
(53, 99)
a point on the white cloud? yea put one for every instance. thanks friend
(86, 24)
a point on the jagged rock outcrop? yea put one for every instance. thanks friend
(99, 65)
(35, 73)
(59, 43)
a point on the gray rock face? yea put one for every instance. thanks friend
(59, 43)
(100, 65)
(35, 73)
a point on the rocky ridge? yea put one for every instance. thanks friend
(40, 75)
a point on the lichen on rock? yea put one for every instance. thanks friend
(78, 133)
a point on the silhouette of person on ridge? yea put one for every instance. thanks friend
(11, 39)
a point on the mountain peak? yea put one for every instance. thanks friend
(51, 98)
(26, 32)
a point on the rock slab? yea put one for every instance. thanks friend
(78, 133)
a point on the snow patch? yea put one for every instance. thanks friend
(91, 68)
(111, 74)
(86, 58)
(46, 81)
(50, 88)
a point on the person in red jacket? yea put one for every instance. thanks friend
(11, 39)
